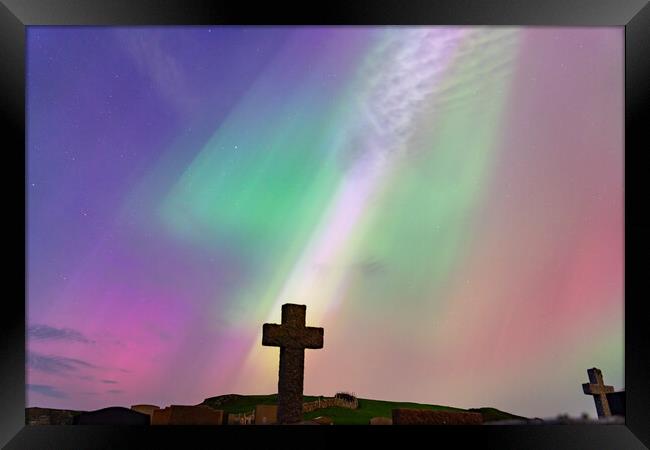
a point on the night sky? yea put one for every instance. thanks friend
(447, 202)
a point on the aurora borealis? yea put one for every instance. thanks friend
(447, 202)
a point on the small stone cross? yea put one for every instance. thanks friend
(597, 388)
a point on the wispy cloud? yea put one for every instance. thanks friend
(55, 364)
(109, 381)
(114, 391)
(47, 390)
(413, 74)
(148, 51)
(40, 332)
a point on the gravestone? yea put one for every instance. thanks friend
(597, 388)
(404, 416)
(115, 415)
(293, 337)
(161, 416)
(187, 415)
(266, 414)
(240, 418)
(232, 419)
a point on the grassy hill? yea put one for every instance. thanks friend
(342, 416)
(235, 403)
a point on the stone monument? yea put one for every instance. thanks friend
(597, 388)
(293, 337)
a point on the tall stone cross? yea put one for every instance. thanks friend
(597, 388)
(293, 337)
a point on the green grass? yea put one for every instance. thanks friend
(246, 403)
(368, 409)
(342, 416)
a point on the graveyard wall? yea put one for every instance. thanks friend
(329, 403)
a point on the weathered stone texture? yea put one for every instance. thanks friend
(161, 416)
(329, 402)
(404, 416)
(597, 388)
(293, 337)
(187, 415)
(266, 414)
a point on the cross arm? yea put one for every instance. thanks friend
(275, 335)
(596, 389)
(313, 337)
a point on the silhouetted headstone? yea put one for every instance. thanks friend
(266, 414)
(597, 388)
(293, 337)
(161, 416)
(115, 415)
(404, 416)
(240, 418)
(187, 415)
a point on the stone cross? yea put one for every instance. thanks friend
(293, 337)
(597, 388)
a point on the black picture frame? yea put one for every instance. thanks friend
(634, 15)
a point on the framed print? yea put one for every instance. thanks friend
(394, 221)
